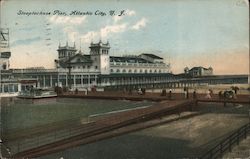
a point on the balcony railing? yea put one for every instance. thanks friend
(139, 64)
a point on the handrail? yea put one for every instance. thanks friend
(226, 144)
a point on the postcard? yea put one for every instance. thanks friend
(141, 79)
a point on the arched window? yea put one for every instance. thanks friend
(111, 70)
(129, 71)
(124, 71)
(150, 71)
(140, 70)
(146, 71)
(159, 71)
(117, 70)
(155, 71)
(135, 71)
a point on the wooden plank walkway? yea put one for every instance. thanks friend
(110, 123)
(118, 120)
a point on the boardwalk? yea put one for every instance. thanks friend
(110, 123)
(61, 136)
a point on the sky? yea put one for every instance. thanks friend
(184, 32)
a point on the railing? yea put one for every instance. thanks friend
(139, 64)
(99, 125)
(33, 70)
(227, 143)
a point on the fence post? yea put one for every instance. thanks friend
(238, 137)
(230, 144)
(245, 132)
(221, 150)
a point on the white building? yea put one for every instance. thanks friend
(98, 61)
(85, 70)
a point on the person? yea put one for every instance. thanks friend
(208, 95)
(139, 91)
(170, 94)
(194, 94)
(163, 93)
(220, 95)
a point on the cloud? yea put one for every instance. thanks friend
(67, 20)
(88, 37)
(25, 41)
(117, 18)
(140, 24)
(71, 33)
(105, 31)
(130, 12)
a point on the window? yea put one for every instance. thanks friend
(146, 71)
(129, 71)
(111, 70)
(135, 71)
(88, 67)
(124, 71)
(140, 71)
(117, 70)
(96, 67)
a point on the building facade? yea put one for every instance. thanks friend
(78, 70)
(198, 71)
(75, 69)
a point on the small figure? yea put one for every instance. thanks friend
(194, 94)
(170, 94)
(220, 94)
(164, 92)
(208, 95)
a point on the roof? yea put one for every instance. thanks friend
(200, 67)
(128, 59)
(152, 56)
(64, 62)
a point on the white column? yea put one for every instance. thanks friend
(58, 79)
(43, 81)
(66, 80)
(82, 80)
(50, 80)
(74, 81)
(95, 79)
(88, 80)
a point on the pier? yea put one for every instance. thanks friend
(62, 136)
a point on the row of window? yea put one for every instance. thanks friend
(64, 54)
(83, 67)
(97, 51)
(134, 71)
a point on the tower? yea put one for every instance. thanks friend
(64, 52)
(99, 53)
